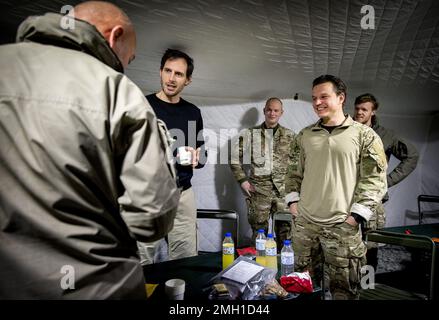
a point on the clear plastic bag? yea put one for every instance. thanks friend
(248, 289)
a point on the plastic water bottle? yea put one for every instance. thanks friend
(271, 253)
(260, 247)
(287, 258)
(228, 250)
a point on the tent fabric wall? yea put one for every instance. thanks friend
(401, 209)
(215, 187)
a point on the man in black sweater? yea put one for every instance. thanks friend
(185, 125)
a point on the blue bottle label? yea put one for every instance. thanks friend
(260, 244)
(270, 251)
(228, 250)
(287, 258)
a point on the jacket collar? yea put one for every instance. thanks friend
(264, 126)
(83, 37)
(348, 121)
(375, 122)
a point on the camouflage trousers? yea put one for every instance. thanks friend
(341, 248)
(377, 221)
(261, 205)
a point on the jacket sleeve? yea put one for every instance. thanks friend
(149, 195)
(240, 155)
(407, 154)
(372, 182)
(294, 176)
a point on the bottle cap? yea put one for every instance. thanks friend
(287, 242)
(269, 235)
(228, 234)
(261, 231)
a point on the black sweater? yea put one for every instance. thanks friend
(184, 122)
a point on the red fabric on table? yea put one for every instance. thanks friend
(297, 282)
(249, 251)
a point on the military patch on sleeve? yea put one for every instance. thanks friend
(377, 153)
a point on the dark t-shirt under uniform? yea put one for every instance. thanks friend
(184, 122)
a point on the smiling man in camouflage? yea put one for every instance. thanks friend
(339, 180)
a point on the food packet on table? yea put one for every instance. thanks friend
(244, 278)
(275, 289)
(219, 291)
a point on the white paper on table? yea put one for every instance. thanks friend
(242, 272)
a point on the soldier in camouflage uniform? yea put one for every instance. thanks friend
(339, 180)
(265, 148)
(366, 106)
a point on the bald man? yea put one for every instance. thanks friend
(85, 165)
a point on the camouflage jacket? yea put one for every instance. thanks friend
(337, 173)
(400, 149)
(266, 155)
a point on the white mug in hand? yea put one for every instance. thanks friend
(184, 156)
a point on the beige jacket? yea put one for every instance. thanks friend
(337, 173)
(84, 168)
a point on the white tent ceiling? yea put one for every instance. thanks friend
(251, 49)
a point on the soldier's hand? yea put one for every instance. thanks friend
(350, 220)
(293, 209)
(247, 187)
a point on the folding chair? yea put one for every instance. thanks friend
(280, 216)
(411, 241)
(221, 214)
(425, 198)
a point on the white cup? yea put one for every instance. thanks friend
(174, 289)
(184, 156)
